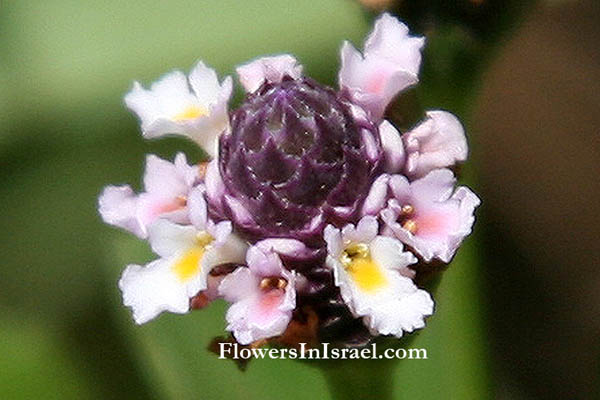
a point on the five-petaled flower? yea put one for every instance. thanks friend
(313, 201)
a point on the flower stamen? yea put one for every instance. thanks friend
(273, 282)
(410, 225)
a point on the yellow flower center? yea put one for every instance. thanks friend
(365, 272)
(189, 265)
(192, 112)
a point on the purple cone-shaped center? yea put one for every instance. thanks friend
(296, 159)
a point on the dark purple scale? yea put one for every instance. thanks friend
(295, 160)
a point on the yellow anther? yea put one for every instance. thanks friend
(410, 225)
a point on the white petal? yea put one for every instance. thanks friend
(390, 254)
(438, 142)
(240, 284)
(333, 238)
(390, 64)
(168, 239)
(215, 188)
(393, 147)
(377, 196)
(364, 232)
(117, 206)
(163, 178)
(231, 250)
(206, 86)
(151, 290)
(270, 69)
(198, 212)
(404, 314)
(390, 40)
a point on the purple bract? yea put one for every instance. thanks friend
(297, 158)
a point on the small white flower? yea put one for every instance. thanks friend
(166, 188)
(372, 274)
(170, 107)
(187, 254)
(438, 142)
(390, 64)
(270, 69)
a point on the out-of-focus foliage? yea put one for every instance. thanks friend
(64, 134)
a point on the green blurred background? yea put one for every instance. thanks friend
(517, 313)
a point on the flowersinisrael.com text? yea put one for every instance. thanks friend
(326, 352)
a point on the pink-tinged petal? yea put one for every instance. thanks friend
(117, 206)
(438, 142)
(270, 69)
(256, 319)
(438, 220)
(264, 263)
(390, 64)
(370, 145)
(240, 284)
(364, 232)
(400, 187)
(435, 186)
(241, 214)
(287, 247)
(212, 287)
(215, 188)
(377, 196)
(198, 212)
(393, 148)
(220, 231)
(390, 40)
(188, 173)
(150, 207)
(162, 178)
(333, 238)
(257, 313)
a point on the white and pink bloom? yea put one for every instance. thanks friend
(296, 161)
(170, 107)
(438, 142)
(390, 64)
(428, 214)
(268, 69)
(374, 278)
(187, 255)
(166, 185)
(263, 295)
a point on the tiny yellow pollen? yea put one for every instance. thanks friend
(192, 112)
(204, 239)
(181, 201)
(407, 209)
(410, 225)
(273, 282)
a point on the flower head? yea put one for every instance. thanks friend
(313, 208)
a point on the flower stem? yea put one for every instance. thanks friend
(360, 379)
